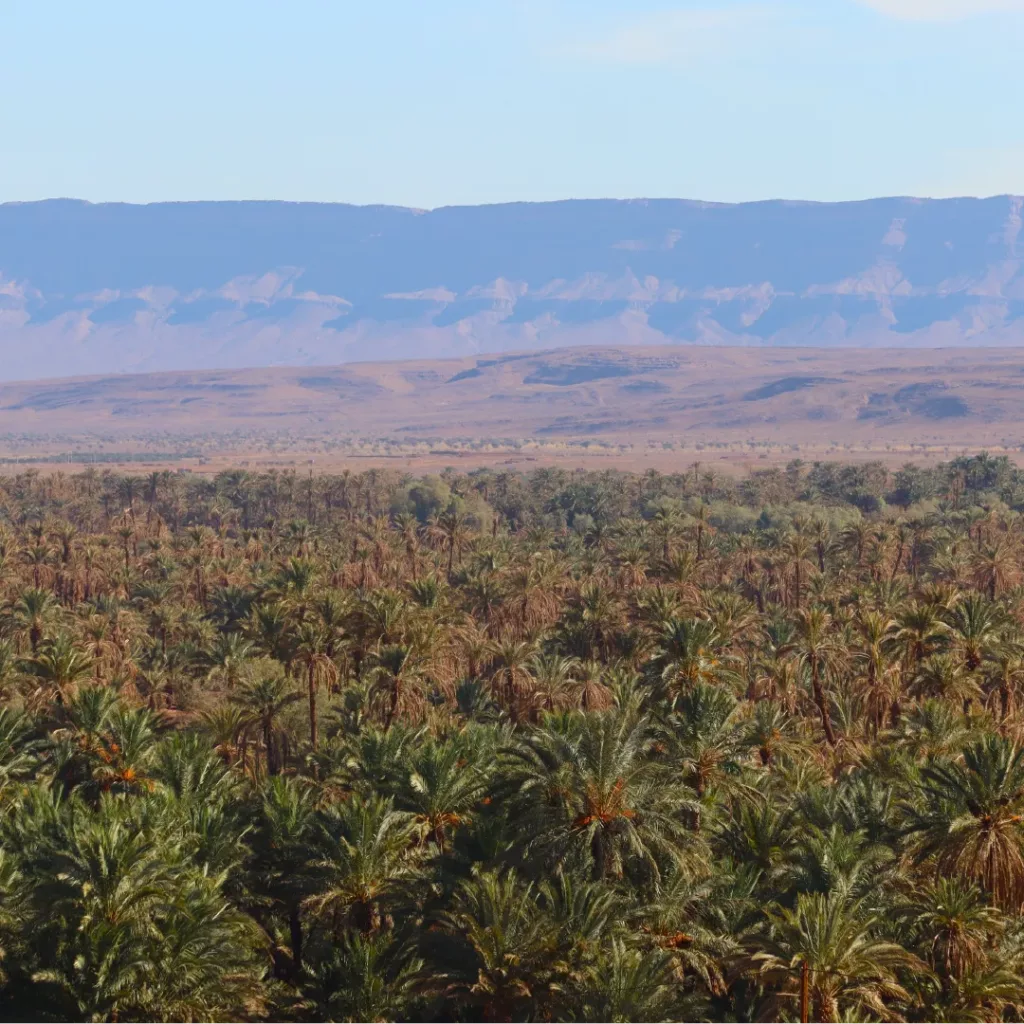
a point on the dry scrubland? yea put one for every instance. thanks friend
(640, 408)
(499, 746)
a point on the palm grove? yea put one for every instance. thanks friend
(556, 746)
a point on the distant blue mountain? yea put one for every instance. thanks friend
(115, 287)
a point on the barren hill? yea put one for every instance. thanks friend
(113, 287)
(791, 395)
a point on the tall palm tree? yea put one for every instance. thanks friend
(396, 675)
(977, 629)
(631, 984)
(952, 924)
(311, 652)
(511, 680)
(451, 529)
(263, 697)
(797, 550)
(818, 649)
(443, 785)
(971, 819)
(32, 612)
(771, 732)
(18, 747)
(58, 665)
(703, 740)
(876, 631)
(996, 567)
(281, 852)
(365, 860)
(592, 785)
(849, 965)
(919, 632)
(366, 977)
(227, 659)
(1005, 673)
(667, 522)
(701, 515)
(688, 652)
(944, 676)
(502, 967)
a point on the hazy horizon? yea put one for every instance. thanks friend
(696, 200)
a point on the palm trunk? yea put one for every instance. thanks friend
(392, 705)
(295, 930)
(822, 704)
(876, 710)
(268, 743)
(311, 683)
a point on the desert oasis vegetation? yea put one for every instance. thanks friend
(496, 746)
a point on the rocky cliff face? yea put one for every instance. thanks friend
(110, 288)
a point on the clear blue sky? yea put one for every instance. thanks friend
(434, 102)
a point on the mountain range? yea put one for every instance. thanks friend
(112, 288)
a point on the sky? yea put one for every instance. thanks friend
(438, 102)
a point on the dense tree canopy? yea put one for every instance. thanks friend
(494, 746)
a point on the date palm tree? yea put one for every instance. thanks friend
(952, 925)
(397, 676)
(281, 852)
(451, 530)
(443, 785)
(58, 665)
(797, 550)
(818, 649)
(32, 612)
(227, 659)
(996, 567)
(365, 859)
(978, 628)
(501, 966)
(366, 977)
(311, 652)
(688, 652)
(511, 680)
(129, 933)
(263, 697)
(631, 984)
(971, 819)
(703, 741)
(919, 632)
(592, 785)
(880, 680)
(850, 966)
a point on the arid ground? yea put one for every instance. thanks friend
(650, 407)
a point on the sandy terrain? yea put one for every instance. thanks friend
(637, 408)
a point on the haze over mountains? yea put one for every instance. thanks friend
(112, 288)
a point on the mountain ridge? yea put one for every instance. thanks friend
(117, 287)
